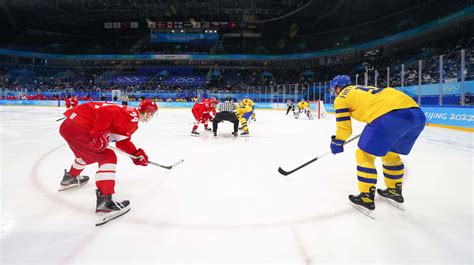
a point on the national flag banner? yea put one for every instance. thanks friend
(179, 24)
(161, 24)
(151, 24)
(215, 25)
(196, 24)
(242, 25)
(252, 25)
(188, 25)
(259, 24)
(125, 25)
(134, 25)
(223, 25)
(107, 25)
(232, 25)
(170, 25)
(117, 25)
(205, 25)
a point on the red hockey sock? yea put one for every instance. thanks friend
(77, 167)
(106, 187)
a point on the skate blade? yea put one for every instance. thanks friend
(194, 135)
(393, 203)
(244, 135)
(105, 218)
(72, 186)
(365, 211)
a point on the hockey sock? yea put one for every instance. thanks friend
(393, 169)
(77, 167)
(105, 178)
(366, 172)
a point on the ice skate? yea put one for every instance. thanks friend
(194, 133)
(207, 129)
(364, 202)
(215, 134)
(393, 196)
(108, 209)
(70, 182)
(245, 134)
(235, 134)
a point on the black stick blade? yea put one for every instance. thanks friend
(283, 172)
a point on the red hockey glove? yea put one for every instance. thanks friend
(142, 159)
(100, 140)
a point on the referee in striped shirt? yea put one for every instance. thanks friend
(226, 112)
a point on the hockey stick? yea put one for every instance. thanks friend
(149, 162)
(60, 119)
(286, 173)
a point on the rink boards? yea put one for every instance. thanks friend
(454, 117)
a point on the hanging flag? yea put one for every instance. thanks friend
(116, 25)
(196, 24)
(252, 25)
(179, 24)
(134, 25)
(187, 24)
(169, 25)
(205, 25)
(223, 25)
(125, 25)
(107, 25)
(161, 24)
(215, 25)
(242, 25)
(232, 25)
(151, 24)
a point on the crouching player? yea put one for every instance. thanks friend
(394, 122)
(244, 112)
(87, 130)
(303, 107)
(202, 113)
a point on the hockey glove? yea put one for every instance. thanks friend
(142, 159)
(337, 146)
(100, 140)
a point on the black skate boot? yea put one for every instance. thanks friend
(194, 133)
(393, 196)
(245, 134)
(70, 182)
(215, 134)
(364, 202)
(207, 129)
(235, 134)
(108, 209)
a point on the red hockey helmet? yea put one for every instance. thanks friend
(147, 106)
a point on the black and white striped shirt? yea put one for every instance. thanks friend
(226, 106)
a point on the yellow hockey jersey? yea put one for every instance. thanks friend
(243, 108)
(365, 104)
(302, 105)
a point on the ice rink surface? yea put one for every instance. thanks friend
(227, 203)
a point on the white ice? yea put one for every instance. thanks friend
(227, 202)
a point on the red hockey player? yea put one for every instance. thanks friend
(201, 111)
(74, 102)
(212, 113)
(88, 130)
(68, 102)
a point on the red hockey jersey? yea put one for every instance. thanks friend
(200, 108)
(121, 121)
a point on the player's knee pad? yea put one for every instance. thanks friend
(366, 172)
(393, 169)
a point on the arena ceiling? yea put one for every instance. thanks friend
(305, 16)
